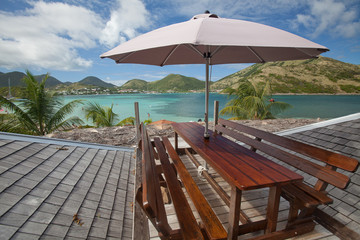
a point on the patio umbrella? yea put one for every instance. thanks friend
(208, 39)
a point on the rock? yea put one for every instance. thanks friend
(126, 135)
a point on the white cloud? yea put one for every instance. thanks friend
(47, 35)
(128, 16)
(330, 16)
(53, 35)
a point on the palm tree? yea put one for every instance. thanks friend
(40, 112)
(100, 116)
(127, 121)
(252, 101)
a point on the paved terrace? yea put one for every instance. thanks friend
(56, 189)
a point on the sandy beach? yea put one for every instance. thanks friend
(125, 136)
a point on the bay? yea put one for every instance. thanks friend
(180, 107)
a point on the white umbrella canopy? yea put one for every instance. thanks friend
(209, 39)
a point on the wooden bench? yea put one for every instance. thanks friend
(150, 198)
(317, 162)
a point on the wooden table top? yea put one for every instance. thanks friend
(238, 165)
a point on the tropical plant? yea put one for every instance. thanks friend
(39, 113)
(127, 121)
(252, 101)
(147, 121)
(99, 115)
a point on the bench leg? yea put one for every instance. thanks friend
(273, 208)
(293, 211)
(176, 142)
(295, 218)
(234, 214)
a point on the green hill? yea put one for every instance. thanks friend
(321, 75)
(176, 83)
(15, 79)
(135, 84)
(172, 83)
(94, 81)
(52, 82)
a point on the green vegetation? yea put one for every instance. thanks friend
(135, 84)
(40, 112)
(170, 83)
(94, 81)
(176, 83)
(148, 121)
(321, 75)
(100, 116)
(350, 88)
(252, 102)
(127, 121)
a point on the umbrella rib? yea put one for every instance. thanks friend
(121, 59)
(195, 49)
(216, 50)
(257, 55)
(305, 53)
(169, 55)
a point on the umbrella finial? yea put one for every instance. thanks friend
(207, 14)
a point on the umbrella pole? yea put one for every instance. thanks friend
(206, 133)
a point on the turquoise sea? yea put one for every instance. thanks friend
(190, 106)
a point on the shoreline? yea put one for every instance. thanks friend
(274, 94)
(126, 136)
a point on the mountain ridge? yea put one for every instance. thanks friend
(170, 83)
(320, 75)
(16, 81)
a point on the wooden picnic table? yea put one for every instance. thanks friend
(243, 169)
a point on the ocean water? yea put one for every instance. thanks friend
(181, 107)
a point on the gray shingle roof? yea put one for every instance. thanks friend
(44, 184)
(344, 138)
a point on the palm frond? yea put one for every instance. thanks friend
(127, 121)
(251, 101)
(57, 120)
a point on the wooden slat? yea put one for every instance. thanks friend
(295, 192)
(187, 221)
(141, 223)
(152, 198)
(236, 165)
(223, 195)
(322, 197)
(211, 222)
(334, 226)
(288, 233)
(335, 159)
(335, 178)
(148, 200)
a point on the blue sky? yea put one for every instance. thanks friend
(66, 38)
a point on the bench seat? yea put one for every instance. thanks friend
(319, 163)
(165, 174)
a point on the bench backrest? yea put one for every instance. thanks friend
(152, 201)
(150, 197)
(278, 146)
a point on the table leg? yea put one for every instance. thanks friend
(176, 142)
(273, 208)
(234, 213)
